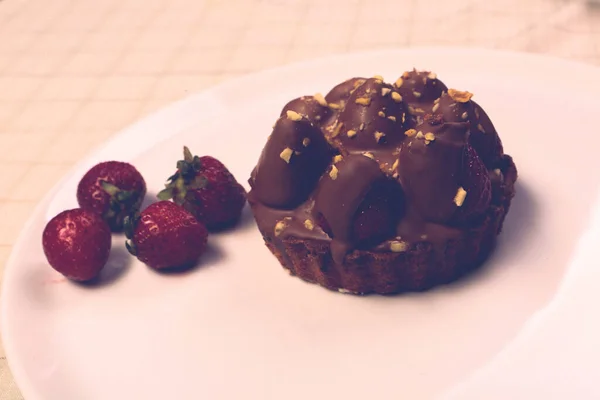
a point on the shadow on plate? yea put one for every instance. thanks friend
(116, 268)
(210, 258)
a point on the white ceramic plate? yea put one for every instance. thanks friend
(238, 327)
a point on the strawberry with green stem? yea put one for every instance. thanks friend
(205, 187)
(112, 189)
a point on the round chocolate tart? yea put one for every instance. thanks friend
(382, 188)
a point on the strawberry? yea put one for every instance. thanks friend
(113, 189)
(77, 244)
(376, 217)
(164, 235)
(206, 188)
(476, 182)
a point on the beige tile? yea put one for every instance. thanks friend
(13, 216)
(8, 111)
(124, 87)
(36, 64)
(18, 88)
(273, 34)
(45, 115)
(152, 106)
(56, 42)
(132, 19)
(107, 41)
(69, 148)
(171, 18)
(19, 147)
(301, 53)
(11, 174)
(252, 58)
(320, 34)
(211, 60)
(220, 36)
(67, 88)
(38, 180)
(176, 87)
(4, 253)
(144, 62)
(109, 115)
(19, 42)
(160, 40)
(87, 64)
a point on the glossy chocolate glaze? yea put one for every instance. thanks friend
(421, 147)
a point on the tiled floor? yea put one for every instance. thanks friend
(72, 72)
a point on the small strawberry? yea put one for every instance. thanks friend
(206, 188)
(164, 235)
(77, 244)
(477, 185)
(112, 189)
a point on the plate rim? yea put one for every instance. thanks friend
(166, 113)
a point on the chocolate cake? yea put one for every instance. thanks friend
(382, 188)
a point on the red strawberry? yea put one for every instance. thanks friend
(206, 188)
(376, 217)
(165, 235)
(77, 244)
(112, 189)
(477, 185)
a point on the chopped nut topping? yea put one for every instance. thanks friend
(395, 164)
(392, 118)
(385, 91)
(406, 75)
(293, 115)
(317, 117)
(338, 158)
(403, 117)
(420, 135)
(334, 106)
(419, 110)
(411, 132)
(337, 129)
(351, 133)
(465, 115)
(398, 247)
(459, 199)
(362, 126)
(308, 224)
(430, 136)
(498, 172)
(459, 96)
(369, 155)
(320, 99)
(411, 110)
(435, 107)
(286, 154)
(363, 101)
(305, 142)
(381, 114)
(399, 82)
(417, 94)
(437, 100)
(279, 227)
(378, 77)
(432, 75)
(480, 128)
(333, 174)
(379, 136)
(396, 97)
(395, 175)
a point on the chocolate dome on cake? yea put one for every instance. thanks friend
(382, 188)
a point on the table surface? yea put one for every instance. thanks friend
(73, 72)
